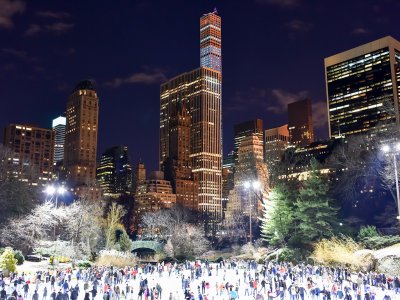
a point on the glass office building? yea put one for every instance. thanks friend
(362, 88)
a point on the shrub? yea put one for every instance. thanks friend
(235, 249)
(7, 261)
(170, 259)
(63, 259)
(290, 255)
(19, 257)
(248, 249)
(367, 232)
(84, 264)
(219, 259)
(183, 258)
(259, 243)
(116, 258)
(379, 242)
(335, 251)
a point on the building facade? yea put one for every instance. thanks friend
(298, 160)
(178, 165)
(276, 142)
(245, 129)
(200, 90)
(81, 135)
(228, 170)
(32, 150)
(301, 130)
(250, 168)
(139, 176)
(154, 194)
(58, 126)
(114, 172)
(362, 88)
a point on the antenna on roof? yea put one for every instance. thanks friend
(215, 11)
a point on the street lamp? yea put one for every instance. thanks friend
(52, 191)
(248, 185)
(393, 151)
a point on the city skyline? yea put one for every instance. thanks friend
(129, 94)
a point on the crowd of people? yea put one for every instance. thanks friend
(229, 280)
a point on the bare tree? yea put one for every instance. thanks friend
(161, 224)
(77, 225)
(113, 223)
(24, 232)
(188, 241)
(175, 226)
(85, 226)
(236, 228)
(156, 224)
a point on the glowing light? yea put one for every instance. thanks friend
(256, 185)
(61, 190)
(50, 190)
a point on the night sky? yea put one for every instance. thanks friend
(272, 54)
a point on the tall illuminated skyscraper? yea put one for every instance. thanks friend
(200, 91)
(114, 172)
(178, 166)
(81, 134)
(59, 140)
(210, 41)
(362, 88)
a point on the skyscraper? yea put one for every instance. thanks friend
(178, 166)
(245, 129)
(59, 139)
(249, 168)
(362, 88)
(200, 92)
(301, 130)
(81, 134)
(228, 169)
(114, 172)
(32, 152)
(210, 41)
(139, 176)
(276, 142)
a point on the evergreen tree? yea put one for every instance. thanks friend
(315, 214)
(124, 241)
(277, 225)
